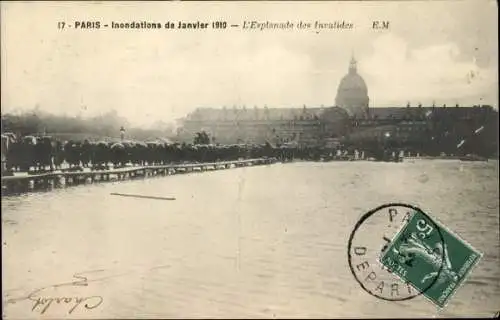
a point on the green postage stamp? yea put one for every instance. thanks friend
(430, 257)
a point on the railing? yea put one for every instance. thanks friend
(28, 182)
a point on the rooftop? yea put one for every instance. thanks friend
(265, 113)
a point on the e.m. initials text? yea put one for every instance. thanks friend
(379, 24)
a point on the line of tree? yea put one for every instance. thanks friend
(201, 138)
(105, 125)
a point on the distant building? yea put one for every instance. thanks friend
(275, 125)
(350, 122)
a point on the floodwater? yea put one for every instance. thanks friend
(260, 242)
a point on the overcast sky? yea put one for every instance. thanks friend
(428, 54)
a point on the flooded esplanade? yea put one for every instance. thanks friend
(267, 241)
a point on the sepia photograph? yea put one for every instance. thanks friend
(245, 159)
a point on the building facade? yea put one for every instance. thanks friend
(349, 122)
(274, 125)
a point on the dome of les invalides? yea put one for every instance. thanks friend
(352, 93)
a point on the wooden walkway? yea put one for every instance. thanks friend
(31, 182)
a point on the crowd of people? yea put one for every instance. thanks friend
(43, 153)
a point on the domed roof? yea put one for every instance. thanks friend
(352, 92)
(352, 81)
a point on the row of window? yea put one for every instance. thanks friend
(411, 128)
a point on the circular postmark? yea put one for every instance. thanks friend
(369, 240)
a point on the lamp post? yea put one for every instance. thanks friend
(122, 133)
(389, 145)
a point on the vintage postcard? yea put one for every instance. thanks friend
(274, 159)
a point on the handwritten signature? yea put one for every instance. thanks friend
(44, 303)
